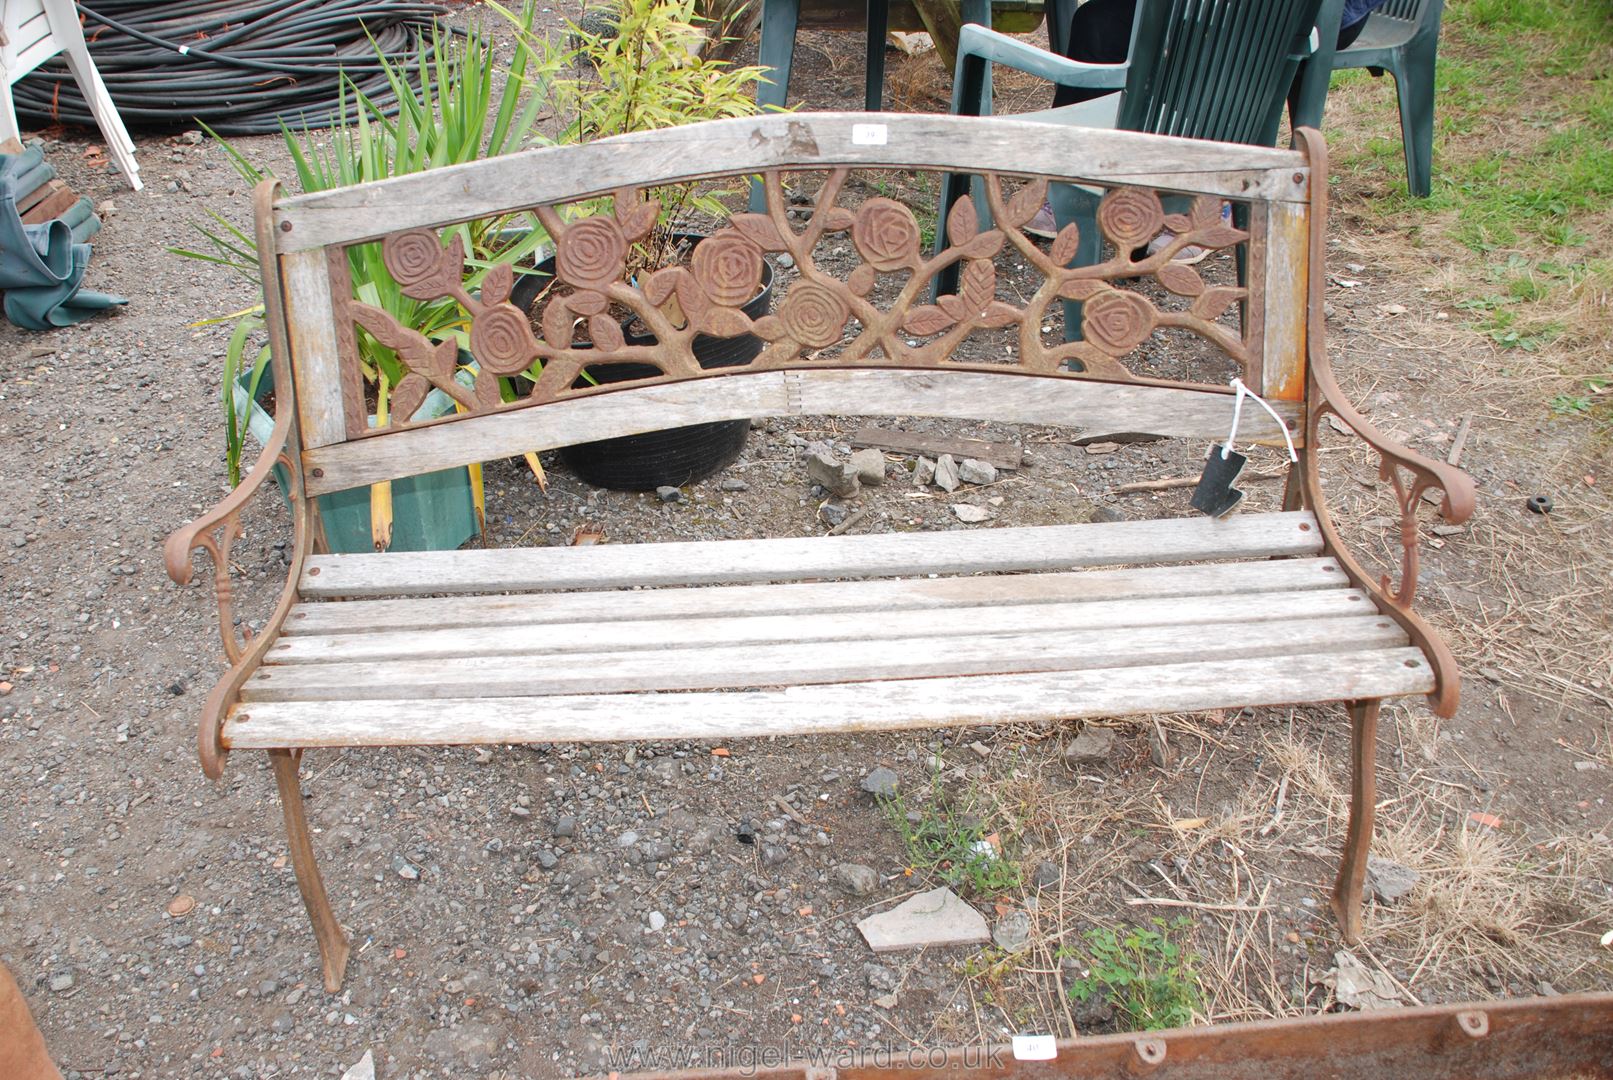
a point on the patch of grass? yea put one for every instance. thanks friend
(1524, 139)
(1592, 396)
(1146, 973)
(949, 838)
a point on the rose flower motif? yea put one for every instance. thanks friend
(417, 262)
(886, 234)
(1116, 321)
(591, 253)
(501, 340)
(813, 315)
(729, 269)
(1131, 216)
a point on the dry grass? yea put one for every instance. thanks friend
(1489, 909)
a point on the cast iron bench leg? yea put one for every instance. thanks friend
(1363, 796)
(333, 944)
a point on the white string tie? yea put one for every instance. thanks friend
(1237, 414)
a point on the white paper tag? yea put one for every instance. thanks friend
(869, 134)
(1035, 1048)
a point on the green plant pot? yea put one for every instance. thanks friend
(430, 512)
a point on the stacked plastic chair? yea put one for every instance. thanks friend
(1402, 38)
(33, 31)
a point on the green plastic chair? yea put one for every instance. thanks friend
(776, 52)
(777, 48)
(1402, 38)
(1201, 69)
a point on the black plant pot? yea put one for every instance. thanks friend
(671, 457)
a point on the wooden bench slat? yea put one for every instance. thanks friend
(901, 594)
(1088, 406)
(802, 140)
(554, 640)
(1046, 547)
(844, 708)
(798, 663)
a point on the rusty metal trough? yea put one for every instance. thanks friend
(1560, 1038)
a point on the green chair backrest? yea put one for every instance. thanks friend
(1215, 69)
(1410, 10)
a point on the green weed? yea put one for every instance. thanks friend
(1591, 395)
(949, 838)
(1146, 974)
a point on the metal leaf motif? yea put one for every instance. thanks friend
(1179, 279)
(1065, 244)
(962, 222)
(926, 319)
(1025, 203)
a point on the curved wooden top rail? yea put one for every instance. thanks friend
(1089, 407)
(784, 141)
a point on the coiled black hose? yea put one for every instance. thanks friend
(240, 68)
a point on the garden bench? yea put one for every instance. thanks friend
(827, 634)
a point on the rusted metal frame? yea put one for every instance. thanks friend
(1324, 398)
(334, 945)
(1347, 890)
(215, 530)
(355, 415)
(1522, 1038)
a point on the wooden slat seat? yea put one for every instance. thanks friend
(910, 647)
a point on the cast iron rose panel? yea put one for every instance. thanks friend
(676, 303)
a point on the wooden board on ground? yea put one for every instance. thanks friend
(1002, 455)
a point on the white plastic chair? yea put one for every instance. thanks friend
(33, 32)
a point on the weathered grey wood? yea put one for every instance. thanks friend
(845, 707)
(806, 140)
(1048, 547)
(1092, 409)
(316, 359)
(1286, 311)
(881, 655)
(554, 640)
(462, 440)
(1002, 455)
(876, 596)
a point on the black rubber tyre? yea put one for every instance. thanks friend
(671, 457)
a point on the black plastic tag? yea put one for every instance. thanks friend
(1215, 494)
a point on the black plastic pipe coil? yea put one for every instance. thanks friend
(238, 67)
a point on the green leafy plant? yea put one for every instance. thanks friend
(1145, 973)
(949, 838)
(1583, 401)
(451, 108)
(237, 369)
(642, 65)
